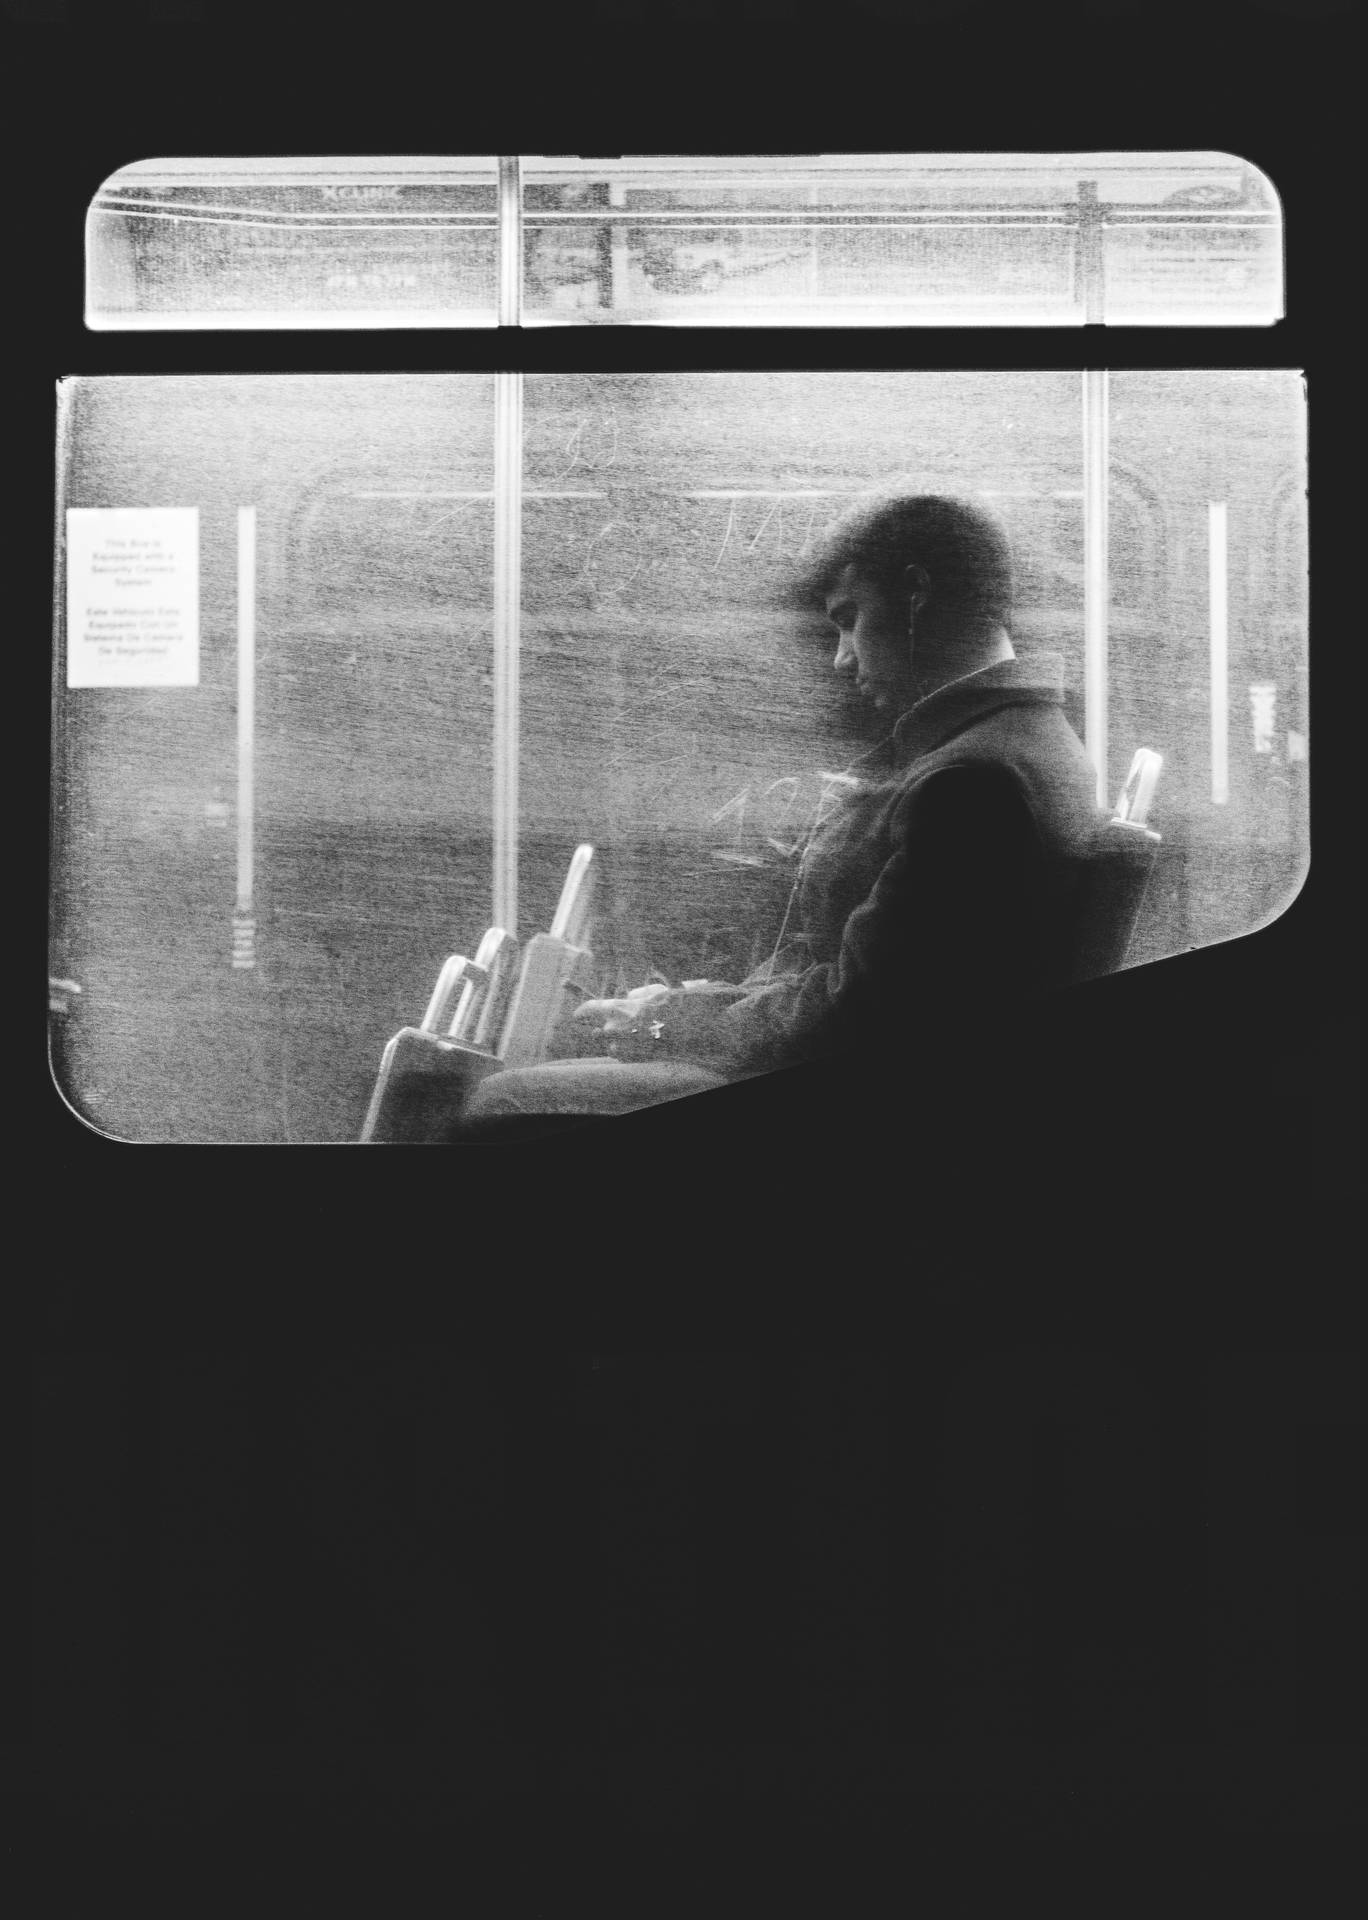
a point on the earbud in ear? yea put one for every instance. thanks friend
(917, 583)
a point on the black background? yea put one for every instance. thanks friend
(1163, 1180)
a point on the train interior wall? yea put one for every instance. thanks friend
(677, 703)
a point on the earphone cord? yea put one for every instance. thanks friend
(810, 826)
(783, 924)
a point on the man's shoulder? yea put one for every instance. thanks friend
(1014, 757)
(1000, 739)
(1016, 733)
(945, 782)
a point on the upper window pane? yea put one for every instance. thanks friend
(1160, 239)
(294, 243)
(1152, 239)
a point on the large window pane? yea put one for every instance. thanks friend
(370, 763)
(678, 707)
(678, 701)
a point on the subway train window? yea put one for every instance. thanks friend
(1158, 239)
(348, 667)
(1232, 532)
(247, 857)
(1150, 239)
(397, 242)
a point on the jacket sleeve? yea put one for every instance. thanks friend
(954, 923)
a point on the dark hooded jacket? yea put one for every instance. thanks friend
(941, 893)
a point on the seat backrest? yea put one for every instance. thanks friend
(427, 1071)
(483, 1005)
(1135, 798)
(552, 962)
(467, 990)
(574, 909)
(1117, 874)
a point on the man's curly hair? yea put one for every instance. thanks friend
(962, 547)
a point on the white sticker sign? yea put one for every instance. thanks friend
(132, 596)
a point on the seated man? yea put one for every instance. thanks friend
(940, 893)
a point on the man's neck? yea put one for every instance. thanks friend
(959, 656)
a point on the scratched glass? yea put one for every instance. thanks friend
(1207, 653)
(361, 797)
(395, 242)
(677, 703)
(793, 240)
(674, 687)
(901, 240)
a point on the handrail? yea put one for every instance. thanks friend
(456, 972)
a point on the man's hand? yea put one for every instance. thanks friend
(619, 1016)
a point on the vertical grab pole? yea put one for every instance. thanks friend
(244, 922)
(510, 240)
(621, 275)
(507, 557)
(1096, 581)
(1092, 261)
(1218, 597)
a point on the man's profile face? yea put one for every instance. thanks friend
(874, 644)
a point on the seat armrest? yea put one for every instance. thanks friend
(422, 1088)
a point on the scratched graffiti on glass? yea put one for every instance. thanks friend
(1148, 239)
(319, 728)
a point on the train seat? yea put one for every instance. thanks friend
(591, 1088)
(427, 1072)
(528, 1085)
(484, 1016)
(555, 964)
(1118, 874)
